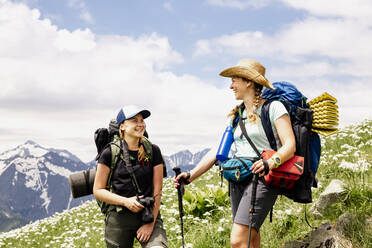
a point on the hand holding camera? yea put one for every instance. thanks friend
(133, 204)
(147, 203)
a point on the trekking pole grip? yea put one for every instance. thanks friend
(177, 171)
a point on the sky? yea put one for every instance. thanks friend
(67, 67)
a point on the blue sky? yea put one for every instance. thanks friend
(68, 66)
(182, 22)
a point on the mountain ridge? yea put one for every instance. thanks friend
(34, 180)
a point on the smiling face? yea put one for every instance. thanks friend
(240, 87)
(134, 126)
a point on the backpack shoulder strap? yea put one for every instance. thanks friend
(148, 147)
(115, 153)
(235, 121)
(266, 124)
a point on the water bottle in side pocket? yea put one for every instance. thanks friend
(225, 145)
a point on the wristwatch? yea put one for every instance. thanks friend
(188, 175)
(277, 160)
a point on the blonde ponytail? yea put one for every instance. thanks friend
(253, 117)
(141, 152)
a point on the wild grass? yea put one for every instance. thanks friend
(207, 222)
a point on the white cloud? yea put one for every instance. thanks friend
(236, 44)
(86, 16)
(58, 86)
(332, 38)
(356, 9)
(84, 13)
(76, 41)
(329, 50)
(239, 4)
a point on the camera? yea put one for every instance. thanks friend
(147, 202)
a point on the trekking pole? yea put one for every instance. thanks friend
(180, 191)
(251, 208)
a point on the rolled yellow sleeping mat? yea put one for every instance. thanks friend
(325, 114)
(329, 108)
(323, 97)
(325, 104)
(325, 132)
(325, 122)
(327, 117)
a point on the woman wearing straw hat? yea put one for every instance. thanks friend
(135, 173)
(247, 81)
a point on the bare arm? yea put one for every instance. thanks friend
(286, 136)
(100, 192)
(158, 186)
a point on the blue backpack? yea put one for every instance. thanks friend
(307, 142)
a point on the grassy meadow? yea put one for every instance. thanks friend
(346, 155)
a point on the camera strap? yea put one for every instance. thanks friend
(125, 150)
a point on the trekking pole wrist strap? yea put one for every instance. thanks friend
(185, 180)
(188, 176)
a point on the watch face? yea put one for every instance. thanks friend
(277, 160)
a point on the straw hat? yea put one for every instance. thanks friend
(249, 69)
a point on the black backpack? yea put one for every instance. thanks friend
(307, 142)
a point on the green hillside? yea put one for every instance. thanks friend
(345, 156)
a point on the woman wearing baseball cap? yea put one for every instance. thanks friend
(247, 81)
(133, 180)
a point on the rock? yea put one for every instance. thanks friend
(330, 195)
(344, 223)
(296, 244)
(369, 225)
(323, 237)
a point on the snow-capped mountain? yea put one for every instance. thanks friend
(184, 160)
(34, 180)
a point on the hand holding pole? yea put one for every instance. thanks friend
(180, 191)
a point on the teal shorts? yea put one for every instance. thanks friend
(121, 230)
